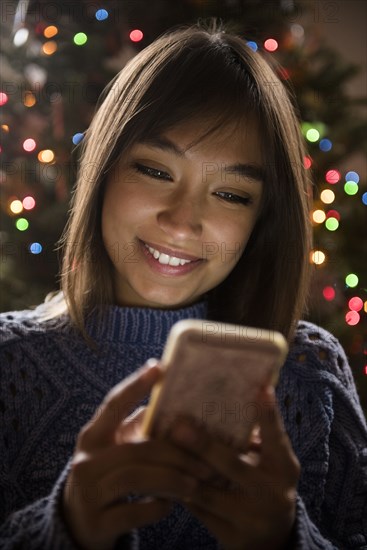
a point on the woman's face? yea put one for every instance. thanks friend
(176, 219)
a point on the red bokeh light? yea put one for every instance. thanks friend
(328, 293)
(136, 35)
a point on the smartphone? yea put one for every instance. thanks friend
(212, 374)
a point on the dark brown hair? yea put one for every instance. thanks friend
(204, 73)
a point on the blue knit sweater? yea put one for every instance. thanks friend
(51, 383)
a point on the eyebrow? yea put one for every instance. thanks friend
(249, 171)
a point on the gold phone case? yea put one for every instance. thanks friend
(212, 373)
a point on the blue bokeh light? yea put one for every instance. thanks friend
(101, 14)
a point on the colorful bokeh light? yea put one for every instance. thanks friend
(325, 145)
(332, 176)
(29, 144)
(351, 187)
(16, 206)
(307, 162)
(331, 224)
(49, 47)
(35, 248)
(251, 44)
(77, 138)
(22, 224)
(317, 257)
(46, 155)
(80, 38)
(327, 196)
(50, 31)
(352, 318)
(271, 45)
(329, 293)
(351, 280)
(318, 216)
(101, 14)
(352, 176)
(28, 203)
(136, 35)
(355, 303)
(3, 98)
(29, 99)
(312, 135)
(333, 214)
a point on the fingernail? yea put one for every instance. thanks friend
(152, 362)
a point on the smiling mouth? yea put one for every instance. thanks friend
(165, 259)
(168, 259)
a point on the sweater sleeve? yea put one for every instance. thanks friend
(341, 520)
(41, 525)
(26, 524)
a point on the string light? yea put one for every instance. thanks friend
(364, 198)
(318, 216)
(80, 38)
(312, 135)
(328, 293)
(331, 224)
(77, 138)
(307, 162)
(28, 203)
(3, 98)
(333, 214)
(325, 145)
(49, 47)
(20, 37)
(351, 187)
(29, 99)
(16, 206)
(251, 44)
(332, 176)
(355, 303)
(352, 318)
(22, 224)
(327, 196)
(46, 155)
(35, 248)
(317, 257)
(271, 45)
(29, 145)
(136, 35)
(101, 14)
(50, 31)
(352, 176)
(351, 280)
(5, 128)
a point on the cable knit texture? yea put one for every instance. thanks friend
(51, 383)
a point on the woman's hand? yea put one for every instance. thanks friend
(110, 462)
(256, 509)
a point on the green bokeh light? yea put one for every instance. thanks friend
(332, 224)
(351, 280)
(312, 135)
(22, 224)
(80, 38)
(351, 187)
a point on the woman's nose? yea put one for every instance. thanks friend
(181, 218)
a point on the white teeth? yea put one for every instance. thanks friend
(165, 259)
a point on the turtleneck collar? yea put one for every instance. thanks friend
(139, 325)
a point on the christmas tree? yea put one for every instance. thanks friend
(56, 59)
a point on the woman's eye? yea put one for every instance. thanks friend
(152, 172)
(232, 197)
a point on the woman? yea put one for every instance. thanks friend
(191, 202)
